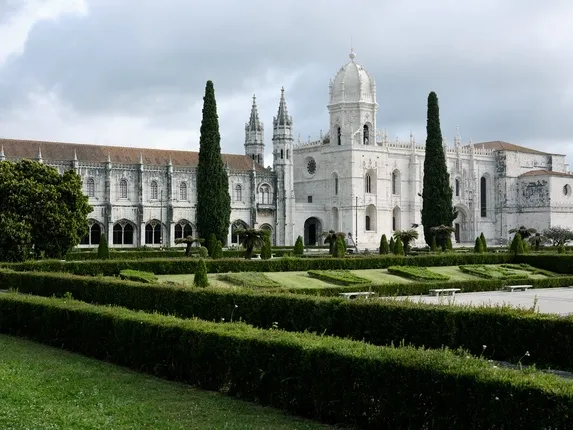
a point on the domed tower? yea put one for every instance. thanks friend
(352, 106)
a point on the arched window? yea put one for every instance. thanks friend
(396, 182)
(370, 218)
(183, 229)
(287, 154)
(457, 186)
(265, 193)
(282, 154)
(238, 193)
(367, 222)
(183, 191)
(396, 218)
(235, 227)
(93, 235)
(123, 189)
(366, 135)
(338, 136)
(123, 233)
(368, 183)
(153, 193)
(483, 197)
(153, 233)
(336, 185)
(91, 187)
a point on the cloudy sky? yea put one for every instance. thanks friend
(133, 72)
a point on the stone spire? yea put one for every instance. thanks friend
(39, 157)
(254, 135)
(457, 139)
(2, 156)
(282, 118)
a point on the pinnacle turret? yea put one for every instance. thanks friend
(254, 123)
(282, 119)
(254, 135)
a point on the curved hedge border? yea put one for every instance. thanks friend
(329, 379)
(508, 334)
(181, 266)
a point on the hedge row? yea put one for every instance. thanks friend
(507, 333)
(171, 253)
(557, 263)
(325, 378)
(181, 266)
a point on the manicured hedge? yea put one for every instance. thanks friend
(508, 334)
(557, 263)
(338, 277)
(180, 266)
(171, 253)
(330, 379)
(418, 273)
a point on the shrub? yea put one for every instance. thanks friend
(218, 250)
(200, 279)
(483, 242)
(433, 244)
(449, 245)
(138, 276)
(339, 249)
(298, 246)
(398, 247)
(391, 245)
(516, 246)
(211, 243)
(103, 249)
(203, 252)
(266, 249)
(301, 372)
(384, 247)
(421, 273)
(492, 272)
(478, 247)
(561, 249)
(340, 277)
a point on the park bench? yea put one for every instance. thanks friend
(357, 294)
(444, 291)
(513, 288)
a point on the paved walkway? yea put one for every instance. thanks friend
(549, 300)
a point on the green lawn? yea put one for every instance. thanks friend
(293, 280)
(46, 388)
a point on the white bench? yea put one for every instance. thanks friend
(444, 291)
(357, 294)
(513, 288)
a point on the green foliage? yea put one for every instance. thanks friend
(516, 246)
(437, 206)
(398, 247)
(250, 280)
(561, 249)
(188, 241)
(529, 268)
(384, 247)
(251, 238)
(266, 252)
(478, 247)
(40, 209)
(203, 252)
(523, 231)
(15, 238)
(558, 235)
(319, 369)
(449, 245)
(200, 279)
(392, 245)
(339, 277)
(421, 273)
(298, 246)
(433, 244)
(217, 251)
(103, 249)
(339, 248)
(493, 272)
(211, 243)
(406, 236)
(213, 199)
(167, 266)
(138, 276)
(483, 242)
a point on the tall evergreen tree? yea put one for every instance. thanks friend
(437, 193)
(213, 199)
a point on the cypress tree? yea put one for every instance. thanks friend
(478, 247)
(483, 242)
(211, 243)
(449, 245)
(437, 193)
(213, 199)
(339, 249)
(384, 248)
(102, 249)
(516, 247)
(266, 249)
(398, 246)
(391, 245)
(217, 251)
(298, 246)
(433, 244)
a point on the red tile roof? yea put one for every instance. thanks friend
(546, 173)
(59, 151)
(500, 145)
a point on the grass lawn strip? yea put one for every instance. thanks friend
(250, 280)
(418, 273)
(47, 388)
(338, 277)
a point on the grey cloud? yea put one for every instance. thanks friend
(497, 70)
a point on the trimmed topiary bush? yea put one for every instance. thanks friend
(200, 279)
(102, 249)
(478, 247)
(298, 246)
(384, 247)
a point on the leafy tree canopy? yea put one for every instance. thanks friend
(41, 210)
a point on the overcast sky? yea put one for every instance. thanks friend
(133, 72)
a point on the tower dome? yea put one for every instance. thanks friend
(352, 84)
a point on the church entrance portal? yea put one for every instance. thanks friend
(312, 231)
(462, 231)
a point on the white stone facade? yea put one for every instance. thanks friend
(352, 180)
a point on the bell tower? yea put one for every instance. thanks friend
(254, 136)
